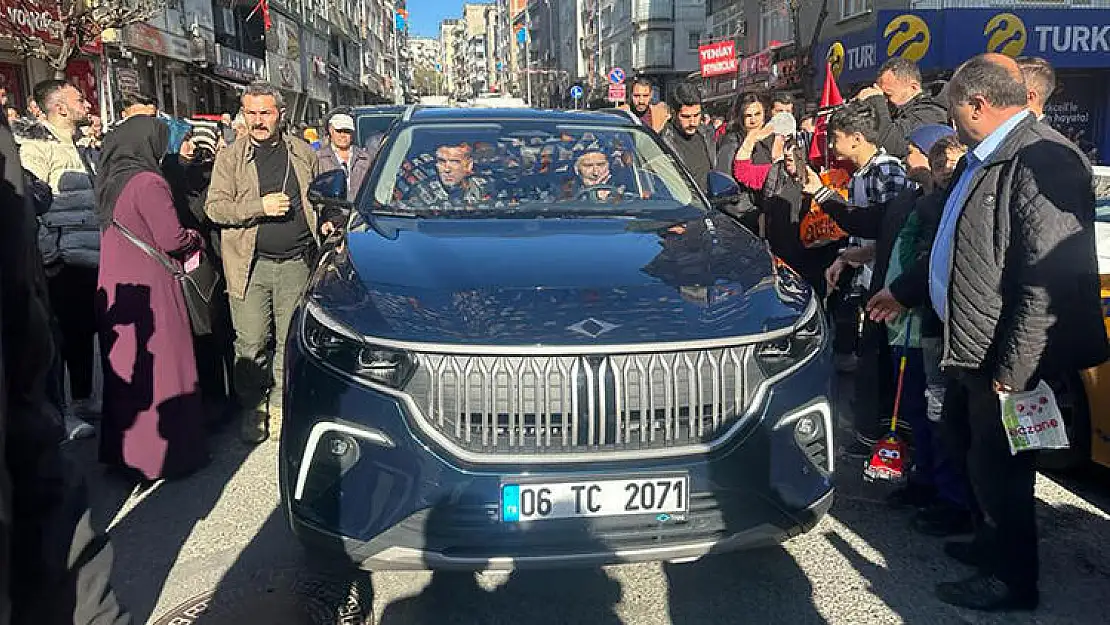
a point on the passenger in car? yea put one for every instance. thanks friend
(593, 179)
(455, 182)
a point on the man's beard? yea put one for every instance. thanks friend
(641, 110)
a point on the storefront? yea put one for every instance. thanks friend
(155, 62)
(1075, 41)
(18, 75)
(237, 70)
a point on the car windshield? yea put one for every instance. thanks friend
(1102, 194)
(529, 168)
(373, 126)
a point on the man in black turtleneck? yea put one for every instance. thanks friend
(268, 242)
(688, 137)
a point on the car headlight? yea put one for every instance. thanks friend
(779, 354)
(343, 350)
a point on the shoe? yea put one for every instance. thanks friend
(912, 496)
(77, 429)
(942, 520)
(253, 429)
(966, 553)
(986, 593)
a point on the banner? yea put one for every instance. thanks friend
(1073, 38)
(718, 59)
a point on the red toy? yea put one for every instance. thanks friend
(888, 455)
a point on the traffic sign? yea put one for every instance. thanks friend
(616, 93)
(616, 75)
(576, 92)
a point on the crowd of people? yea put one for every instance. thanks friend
(966, 230)
(230, 193)
(968, 258)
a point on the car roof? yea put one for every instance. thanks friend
(441, 114)
(395, 110)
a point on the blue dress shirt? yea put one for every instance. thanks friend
(940, 259)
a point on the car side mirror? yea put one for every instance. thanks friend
(329, 190)
(722, 189)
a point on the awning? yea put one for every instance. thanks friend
(223, 82)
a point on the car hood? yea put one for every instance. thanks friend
(585, 281)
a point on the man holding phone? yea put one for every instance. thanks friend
(258, 197)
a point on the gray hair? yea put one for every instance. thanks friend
(260, 89)
(986, 78)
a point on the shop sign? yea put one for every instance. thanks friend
(1073, 38)
(1074, 110)
(37, 19)
(32, 18)
(755, 66)
(717, 59)
(233, 64)
(911, 36)
(853, 58)
(128, 79)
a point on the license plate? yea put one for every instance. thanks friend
(593, 498)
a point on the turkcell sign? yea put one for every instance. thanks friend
(1071, 38)
(852, 57)
(1066, 38)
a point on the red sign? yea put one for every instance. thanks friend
(82, 74)
(617, 93)
(756, 64)
(717, 59)
(31, 18)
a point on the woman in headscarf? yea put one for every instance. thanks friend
(153, 420)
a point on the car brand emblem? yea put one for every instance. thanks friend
(592, 328)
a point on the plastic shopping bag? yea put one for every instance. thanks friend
(1032, 420)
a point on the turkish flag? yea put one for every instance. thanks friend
(830, 97)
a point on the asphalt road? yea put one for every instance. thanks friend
(217, 540)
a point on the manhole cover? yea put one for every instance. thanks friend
(280, 598)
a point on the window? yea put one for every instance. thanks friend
(775, 23)
(654, 48)
(530, 167)
(852, 8)
(695, 40)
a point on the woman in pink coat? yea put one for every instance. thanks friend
(153, 421)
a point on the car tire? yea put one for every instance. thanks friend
(1071, 396)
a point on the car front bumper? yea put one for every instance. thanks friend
(358, 480)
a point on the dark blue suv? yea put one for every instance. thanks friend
(537, 343)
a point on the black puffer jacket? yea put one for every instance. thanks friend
(895, 129)
(1023, 299)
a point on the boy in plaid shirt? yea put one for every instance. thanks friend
(879, 178)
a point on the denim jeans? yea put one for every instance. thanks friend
(934, 463)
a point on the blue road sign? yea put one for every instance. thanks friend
(576, 92)
(616, 75)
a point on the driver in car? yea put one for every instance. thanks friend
(455, 182)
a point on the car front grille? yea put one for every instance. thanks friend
(541, 405)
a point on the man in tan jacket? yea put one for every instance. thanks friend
(268, 237)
